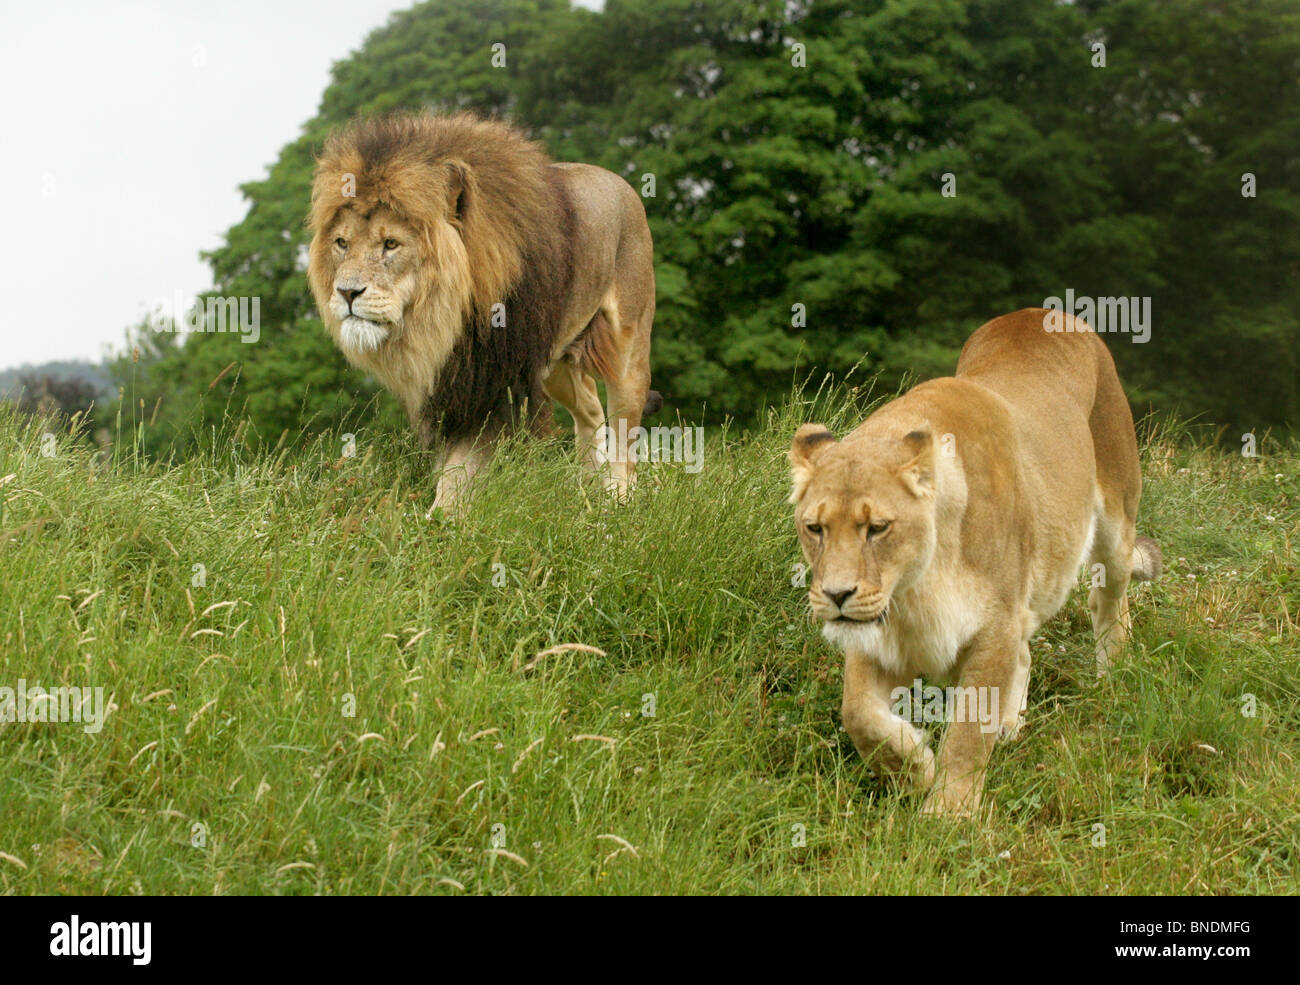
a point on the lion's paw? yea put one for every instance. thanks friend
(1011, 732)
(950, 802)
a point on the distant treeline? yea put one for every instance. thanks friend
(67, 387)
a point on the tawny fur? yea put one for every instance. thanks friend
(502, 262)
(953, 522)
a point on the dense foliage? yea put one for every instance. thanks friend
(839, 183)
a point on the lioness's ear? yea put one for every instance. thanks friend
(458, 188)
(809, 442)
(918, 474)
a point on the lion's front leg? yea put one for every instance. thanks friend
(991, 681)
(883, 738)
(462, 459)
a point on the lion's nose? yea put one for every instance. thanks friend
(350, 294)
(840, 596)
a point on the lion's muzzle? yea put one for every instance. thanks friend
(849, 605)
(360, 335)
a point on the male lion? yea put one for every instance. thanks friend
(952, 523)
(471, 275)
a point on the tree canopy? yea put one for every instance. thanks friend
(839, 183)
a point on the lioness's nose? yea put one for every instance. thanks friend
(350, 294)
(840, 596)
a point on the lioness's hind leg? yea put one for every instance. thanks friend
(1109, 570)
(576, 392)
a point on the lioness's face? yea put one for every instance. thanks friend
(375, 264)
(865, 514)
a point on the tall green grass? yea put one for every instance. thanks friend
(679, 731)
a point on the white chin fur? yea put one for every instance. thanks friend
(862, 637)
(360, 335)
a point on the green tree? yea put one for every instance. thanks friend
(842, 183)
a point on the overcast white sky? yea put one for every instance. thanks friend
(128, 128)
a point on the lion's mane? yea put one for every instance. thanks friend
(495, 227)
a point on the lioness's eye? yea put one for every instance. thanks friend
(391, 244)
(815, 529)
(878, 528)
(341, 243)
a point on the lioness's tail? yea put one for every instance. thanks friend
(1147, 560)
(653, 401)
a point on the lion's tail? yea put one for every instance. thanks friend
(653, 401)
(1147, 560)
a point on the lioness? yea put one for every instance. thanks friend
(473, 276)
(944, 530)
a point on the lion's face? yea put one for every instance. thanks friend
(422, 229)
(865, 513)
(374, 263)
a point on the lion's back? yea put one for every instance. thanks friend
(600, 198)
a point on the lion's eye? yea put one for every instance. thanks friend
(391, 244)
(878, 528)
(341, 243)
(815, 529)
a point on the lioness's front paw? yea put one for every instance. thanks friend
(951, 802)
(1011, 730)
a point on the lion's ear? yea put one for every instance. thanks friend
(809, 442)
(458, 188)
(918, 473)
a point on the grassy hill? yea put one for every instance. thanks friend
(559, 695)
